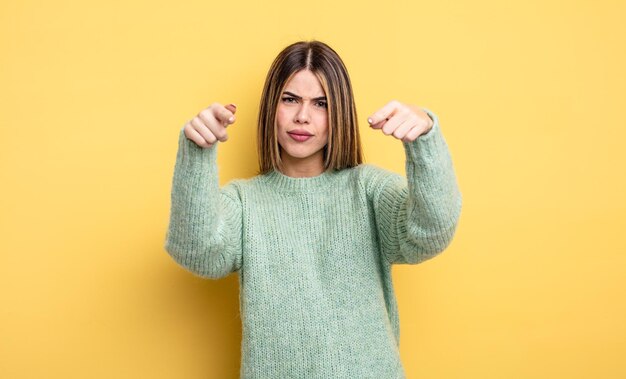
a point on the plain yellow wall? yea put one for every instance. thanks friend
(531, 97)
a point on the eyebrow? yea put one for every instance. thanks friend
(299, 97)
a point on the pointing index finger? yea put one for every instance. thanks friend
(226, 114)
(231, 107)
(383, 113)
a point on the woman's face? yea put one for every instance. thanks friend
(302, 118)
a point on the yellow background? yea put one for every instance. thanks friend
(531, 97)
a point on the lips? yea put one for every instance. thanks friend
(299, 135)
(300, 132)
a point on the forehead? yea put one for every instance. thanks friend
(305, 83)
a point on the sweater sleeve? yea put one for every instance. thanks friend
(417, 216)
(205, 226)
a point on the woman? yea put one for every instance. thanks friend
(314, 235)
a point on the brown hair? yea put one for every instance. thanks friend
(343, 149)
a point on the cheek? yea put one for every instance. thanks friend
(281, 116)
(322, 123)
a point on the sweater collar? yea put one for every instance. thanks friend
(282, 182)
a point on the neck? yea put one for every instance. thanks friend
(302, 167)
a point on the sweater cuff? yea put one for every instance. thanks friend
(194, 157)
(427, 146)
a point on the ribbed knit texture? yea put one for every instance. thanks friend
(314, 255)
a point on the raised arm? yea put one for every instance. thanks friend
(205, 226)
(417, 216)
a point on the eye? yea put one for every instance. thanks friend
(289, 99)
(322, 104)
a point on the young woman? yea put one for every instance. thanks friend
(314, 235)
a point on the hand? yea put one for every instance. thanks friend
(209, 126)
(405, 122)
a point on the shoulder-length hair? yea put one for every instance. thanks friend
(343, 149)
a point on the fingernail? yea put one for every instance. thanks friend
(369, 120)
(234, 106)
(231, 119)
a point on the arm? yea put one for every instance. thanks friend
(417, 216)
(204, 233)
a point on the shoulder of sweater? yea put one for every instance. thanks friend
(236, 187)
(370, 171)
(372, 178)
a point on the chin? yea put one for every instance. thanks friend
(299, 153)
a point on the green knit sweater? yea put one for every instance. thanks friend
(314, 255)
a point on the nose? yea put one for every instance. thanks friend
(302, 116)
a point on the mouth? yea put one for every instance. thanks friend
(299, 136)
(300, 133)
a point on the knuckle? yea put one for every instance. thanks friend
(217, 133)
(199, 141)
(220, 108)
(221, 136)
(204, 114)
(221, 131)
(193, 123)
(210, 138)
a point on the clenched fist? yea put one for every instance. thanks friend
(404, 122)
(209, 126)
